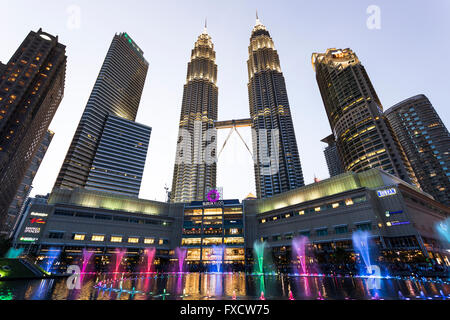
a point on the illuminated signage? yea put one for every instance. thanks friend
(213, 195)
(386, 192)
(398, 223)
(217, 204)
(28, 239)
(32, 230)
(37, 220)
(38, 214)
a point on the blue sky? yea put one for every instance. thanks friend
(405, 57)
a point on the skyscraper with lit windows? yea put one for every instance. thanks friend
(194, 175)
(426, 142)
(364, 138)
(31, 89)
(116, 94)
(277, 161)
(17, 205)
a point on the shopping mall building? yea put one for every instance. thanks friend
(401, 219)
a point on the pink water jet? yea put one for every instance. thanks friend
(86, 257)
(181, 255)
(299, 246)
(291, 296)
(262, 296)
(234, 295)
(320, 296)
(150, 253)
(119, 256)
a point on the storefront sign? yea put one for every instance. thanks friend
(386, 192)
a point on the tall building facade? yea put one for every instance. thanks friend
(331, 153)
(31, 89)
(17, 205)
(363, 136)
(426, 142)
(276, 158)
(117, 91)
(120, 157)
(195, 169)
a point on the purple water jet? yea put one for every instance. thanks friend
(181, 255)
(299, 245)
(119, 253)
(86, 257)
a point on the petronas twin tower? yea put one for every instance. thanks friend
(276, 158)
(193, 176)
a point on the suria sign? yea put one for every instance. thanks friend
(386, 192)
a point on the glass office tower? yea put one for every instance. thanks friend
(120, 158)
(117, 92)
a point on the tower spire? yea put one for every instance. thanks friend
(258, 22)
(205, 29)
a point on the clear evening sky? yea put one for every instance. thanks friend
(408, 55)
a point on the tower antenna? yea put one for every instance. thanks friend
(205, 30)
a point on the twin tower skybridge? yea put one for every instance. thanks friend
(233, 125)
(193, 147)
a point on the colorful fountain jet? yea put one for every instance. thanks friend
(299, 245)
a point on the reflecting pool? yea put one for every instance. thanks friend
(224, 286)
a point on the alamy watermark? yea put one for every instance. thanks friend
(374, 281)
(74, 280)
(200, 147)
(374, 20)
(74, 17)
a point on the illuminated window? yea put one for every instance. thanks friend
(233, 254)
(97, 237)
(213, 211)
(348, 202)
(116, 239)
(209, 241)
(234, 231)
(133, 240)
(388, 224)
(317, 209)
(193, 212)
(191, 241)
(235, 240)
(79, 237)
(212, 254)
(149, 240)
(301, 212)
(335, 205)
(193, 254)
(233, 210)
(263, 221)
(161, 241)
